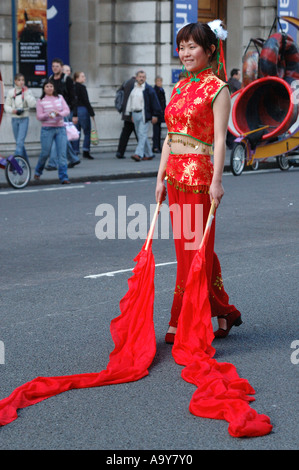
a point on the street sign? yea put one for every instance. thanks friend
(184, 12)
(288, 8)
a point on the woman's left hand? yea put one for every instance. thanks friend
(216, 192)
(160, 191)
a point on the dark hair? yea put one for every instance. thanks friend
(234, 72)
(59, 61)
(44, 84)
(201, 34)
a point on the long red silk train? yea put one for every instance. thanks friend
(220, 394)
(135, 346)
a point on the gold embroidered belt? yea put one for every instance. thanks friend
(186, 141)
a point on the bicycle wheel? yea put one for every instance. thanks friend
(238, 159)
(16, 179)
(283, 162)
(255, 165)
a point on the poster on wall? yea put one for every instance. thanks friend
(32, 33)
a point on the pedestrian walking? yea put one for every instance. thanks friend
(144, 108)
(157, 126)
(51, 109)
(85, 112)
(128, 125)
(18, 102)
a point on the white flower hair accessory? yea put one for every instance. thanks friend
(217, 28)
(221, 34)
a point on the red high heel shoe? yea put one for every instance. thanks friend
(232, 319)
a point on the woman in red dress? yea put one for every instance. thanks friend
(197, 118)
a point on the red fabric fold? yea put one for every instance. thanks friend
(220, 393)
(135, 346)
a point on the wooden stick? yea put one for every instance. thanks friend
(152, 227)
(209, 223)
(207, 228)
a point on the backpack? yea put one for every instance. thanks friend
(119, 99)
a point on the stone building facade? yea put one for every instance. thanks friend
(111, 39)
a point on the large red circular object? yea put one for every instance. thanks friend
(230, 126)
(267, 101)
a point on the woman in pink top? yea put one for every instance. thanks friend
(51, 108)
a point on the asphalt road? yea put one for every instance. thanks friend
(55, 318)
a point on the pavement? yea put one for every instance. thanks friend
(105, 166)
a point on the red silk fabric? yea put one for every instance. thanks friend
(220, 394)
(188, 227)
(190, 170)
(190, 108)
(135, 346)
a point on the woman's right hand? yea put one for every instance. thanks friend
(160, 186)
(160, 191)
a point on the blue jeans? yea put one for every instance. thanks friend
(20, 128)
(85, 124)
(143, 148)
(48, 136)
(71, 155)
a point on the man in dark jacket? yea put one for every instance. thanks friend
(234, 80)
(64, 86)
(128, 126)
(144, 108)
(234, 85)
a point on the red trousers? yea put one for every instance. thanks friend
(189, 213)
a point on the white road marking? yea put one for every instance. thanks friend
(27, 191)
(120, 271)
(73, 186)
